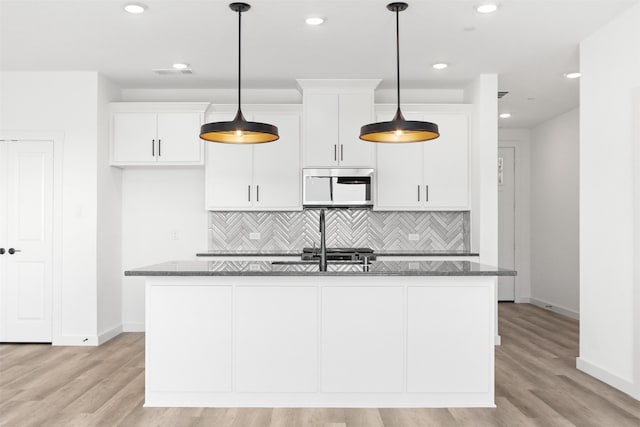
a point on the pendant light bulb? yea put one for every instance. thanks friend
(399, 129)
(239, 130)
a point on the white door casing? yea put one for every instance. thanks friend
(506, 221)
(27, 222)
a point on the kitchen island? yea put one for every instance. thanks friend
(262, 334)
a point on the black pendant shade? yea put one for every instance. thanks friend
(399, 130)
(239, 130)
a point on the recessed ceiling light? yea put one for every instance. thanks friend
(487, 8)
(314, 20)
(440, 66)
(572, 75)
(135, 8)
(180, 66)
(505, 115)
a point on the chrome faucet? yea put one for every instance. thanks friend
(323, 242)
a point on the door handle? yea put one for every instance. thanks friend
(335, 152)
(159, 147)
(249, 192)
(418, 192)
(341, 152)
(13, 251)
(257, 193)
(153, 147)
(426, 193)
(1, 251)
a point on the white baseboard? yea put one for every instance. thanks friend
(555, 308)
(133, 327)
(108, 334)
(605, 376)
(77, 340)
(522, 300)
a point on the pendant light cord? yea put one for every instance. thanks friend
(398, 54)
(239, 54)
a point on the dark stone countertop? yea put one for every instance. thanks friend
(276, 253)
(310, 268)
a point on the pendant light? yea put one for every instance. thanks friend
(399, 129)
(239, 130)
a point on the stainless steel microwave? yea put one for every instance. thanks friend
(337, 188)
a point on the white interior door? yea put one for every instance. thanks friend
(506, 221)
(27, 263)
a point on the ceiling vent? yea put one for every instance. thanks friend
(171, 71)
(502, 94)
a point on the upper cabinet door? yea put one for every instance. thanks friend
(134, 138)
(276, 165)
(356, 110)
(446, 163)
(156, 133)
(321, 132)
(399, 173)
(178, 138)
(228, 173)
(228, 176)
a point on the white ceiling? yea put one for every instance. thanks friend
(528, 43)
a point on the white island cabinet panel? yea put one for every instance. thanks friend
(190, 339)
(458, 365)
(362, 339)
(276, 336)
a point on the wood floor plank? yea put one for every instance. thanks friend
(537, 384)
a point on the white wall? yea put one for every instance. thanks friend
(519, 140)
(163, 218)
(482, 93)
(109, 224)
(555, 239)
(65, 102)
(609, 206)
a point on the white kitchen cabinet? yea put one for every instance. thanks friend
(430, 175)
(362, 339)
(334, 111)
(146, 134)
(272, 321)
(255, 177)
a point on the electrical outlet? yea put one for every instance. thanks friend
(414, 237)
(254, 236)
(414, 266)
(254, 267)
(175, 235)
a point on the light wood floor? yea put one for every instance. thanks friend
(536, 385)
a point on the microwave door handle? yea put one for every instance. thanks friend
(331, 189)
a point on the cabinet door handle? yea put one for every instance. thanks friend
(257, 193)
(341, 152)
(153, 147)
(13, 251)
(426, 193)
(1, 251)
(335, 152)
(159, 148)
(248, 192)
(418, 193)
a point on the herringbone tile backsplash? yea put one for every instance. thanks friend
(345, 228)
